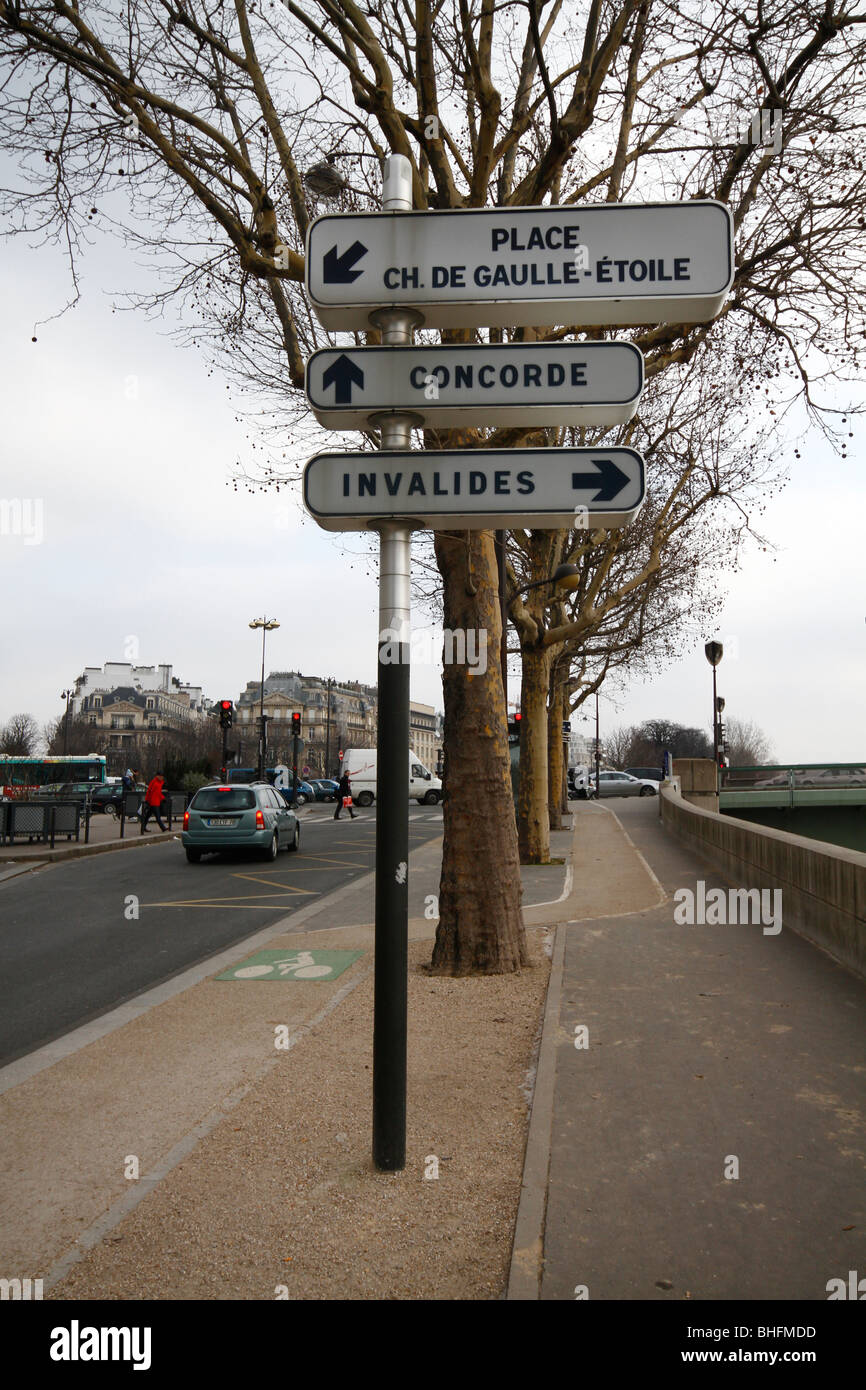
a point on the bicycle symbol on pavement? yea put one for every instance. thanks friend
(299, 967)
(292, 965)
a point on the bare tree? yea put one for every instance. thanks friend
(20, 736)
(747, 744)
(190, 127)
(619, 745)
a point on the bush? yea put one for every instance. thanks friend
(191, 781)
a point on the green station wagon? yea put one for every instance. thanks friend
(251, 816)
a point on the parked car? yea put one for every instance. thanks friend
(622, 784)
(644, 774)
(305, 793)
(67, 791)
(325, 788)
(108, 798)
(252, 816)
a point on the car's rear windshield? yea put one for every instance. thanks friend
(223, 799)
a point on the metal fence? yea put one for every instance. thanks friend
(41, 821)
(772, 782)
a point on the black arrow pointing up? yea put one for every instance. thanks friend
(610, 480)
(342, 374)
(337, 270)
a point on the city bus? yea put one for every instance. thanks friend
(23, 776)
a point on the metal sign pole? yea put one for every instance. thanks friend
(392, 743)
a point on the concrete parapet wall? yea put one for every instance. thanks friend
(823, 886)
(698, 779)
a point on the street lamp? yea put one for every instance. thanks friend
(587, 720)
(67, 696)
(565, 578)
(329, 685)
(266, 625)
(713, 651)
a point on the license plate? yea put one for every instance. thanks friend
(220, 822)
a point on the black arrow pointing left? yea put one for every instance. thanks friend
(337, 270)
(610, 480)
(342, 374)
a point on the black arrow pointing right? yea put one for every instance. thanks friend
(610, 480)
(337, 270)
(342, 374)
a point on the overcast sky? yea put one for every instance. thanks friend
(125, 446)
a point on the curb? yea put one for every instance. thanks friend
(527, 1253)
(54, 856)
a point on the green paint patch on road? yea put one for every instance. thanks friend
(318, 966)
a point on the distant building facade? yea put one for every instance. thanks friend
(424, 733)
(334, 716)
(116, 675)
(131, 709)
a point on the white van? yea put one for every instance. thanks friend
(360, 765)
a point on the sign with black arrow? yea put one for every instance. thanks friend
(341, 372)
(477, 489)
(596, 263)
(338, 270)
(483, 384)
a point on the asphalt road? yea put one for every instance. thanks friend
(79, 938)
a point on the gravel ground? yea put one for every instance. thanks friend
(281, 1199)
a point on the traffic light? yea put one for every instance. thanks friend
(226, 709)
(296, 725)
(514, 727)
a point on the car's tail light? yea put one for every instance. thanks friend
(260, 820)
(186, 820)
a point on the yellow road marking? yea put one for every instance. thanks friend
(255, 878)
(224, 907)
(282, 891)
(343, 863)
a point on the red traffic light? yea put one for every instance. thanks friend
(225, 704)
(296, 722)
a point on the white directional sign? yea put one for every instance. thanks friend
(484, 384)
(477, 488)
(587, 264)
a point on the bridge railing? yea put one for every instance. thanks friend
(794, 777)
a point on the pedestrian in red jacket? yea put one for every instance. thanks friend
(152, 802)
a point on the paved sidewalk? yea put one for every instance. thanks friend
(228, 1131)
(712, 1050)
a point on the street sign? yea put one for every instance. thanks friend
(482, 384)
(477, 488)
(598, 263)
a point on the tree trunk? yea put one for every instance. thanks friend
(532, 818)
(480, 927)
(555, 760)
